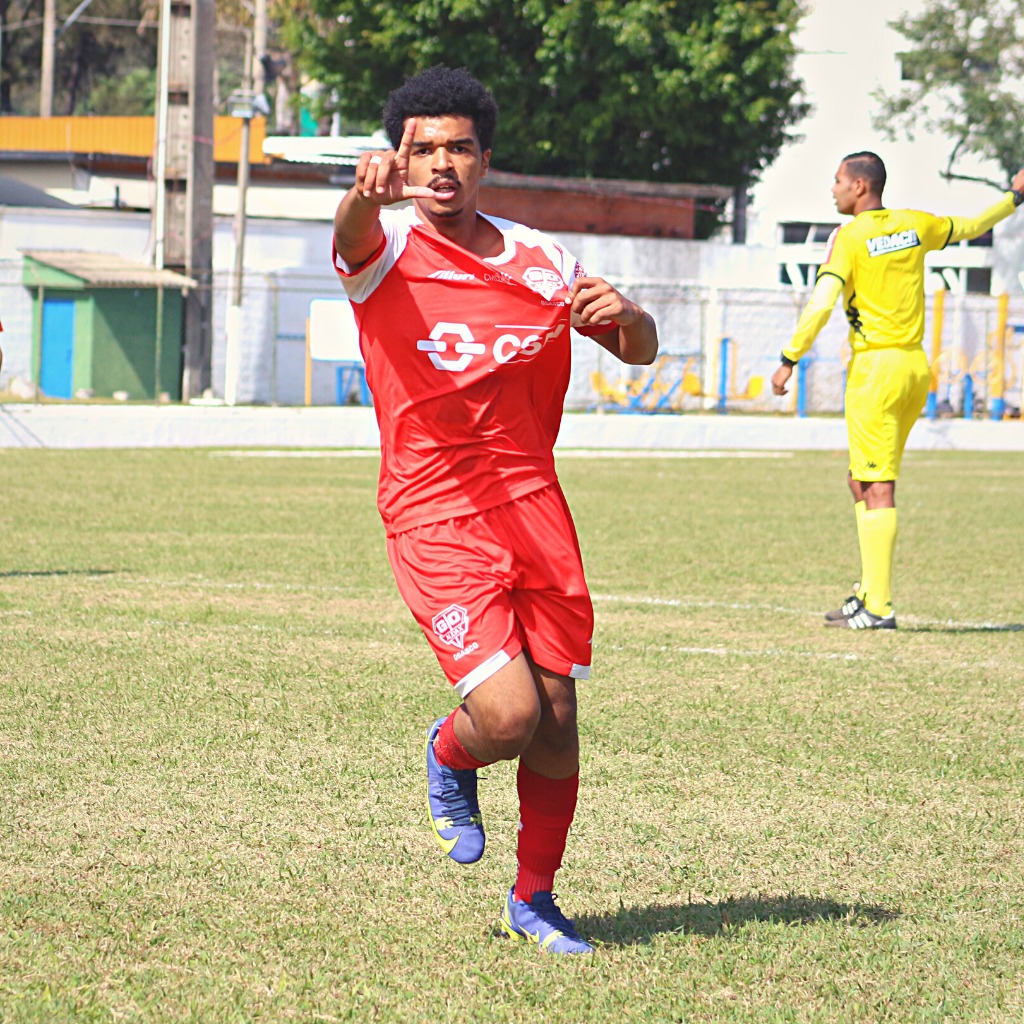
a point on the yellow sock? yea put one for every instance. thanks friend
(877, 533)
(858, 510)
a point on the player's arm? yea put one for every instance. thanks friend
(963, 228)
(598, 309)
(813, 318)
(381, 179)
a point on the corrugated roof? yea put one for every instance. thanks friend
(345, 151)
(107, 269)
(335, 150)
(129, 136)
(607, 186)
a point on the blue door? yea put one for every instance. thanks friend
(58, 347)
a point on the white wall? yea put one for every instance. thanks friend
(847, 53)
(697, 292)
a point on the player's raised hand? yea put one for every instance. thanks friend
(383, 175)
(595, 301)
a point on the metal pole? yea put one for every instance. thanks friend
(46, 71)
(723, 373)
(309, 368)
(159, 341)
(938, 320)
(998, 373)
(160, 161)
(233, 321)
(259, 47)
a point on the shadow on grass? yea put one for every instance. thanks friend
(984, 627)
(58, 572)
(635, 926)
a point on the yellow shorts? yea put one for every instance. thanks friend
(886, 389)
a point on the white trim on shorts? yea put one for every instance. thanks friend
(487, 668)
(481, 673)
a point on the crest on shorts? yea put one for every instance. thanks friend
(451, 625)
(543, 280)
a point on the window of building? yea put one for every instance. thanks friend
(805, 233)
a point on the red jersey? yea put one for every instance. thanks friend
(468, 361)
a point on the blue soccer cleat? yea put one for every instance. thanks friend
(542, 922)
(454, 811)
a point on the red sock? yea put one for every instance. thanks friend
(449, 751)
(546, 809)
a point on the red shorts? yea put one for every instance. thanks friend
(484, 587)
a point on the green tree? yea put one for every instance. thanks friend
(105, 54)
(964, 73)
(21, 24)
(131, 94)
(696, 90)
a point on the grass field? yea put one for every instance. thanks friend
(212, 705)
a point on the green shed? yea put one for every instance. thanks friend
(104, 325)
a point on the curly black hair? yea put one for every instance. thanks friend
(439, 91)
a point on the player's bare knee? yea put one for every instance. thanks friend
(557, 729)
(510, 728)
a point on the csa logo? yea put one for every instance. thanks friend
(543, 280)
(451, 625)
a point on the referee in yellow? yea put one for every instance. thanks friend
(876, 262)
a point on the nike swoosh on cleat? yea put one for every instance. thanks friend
(446, 844)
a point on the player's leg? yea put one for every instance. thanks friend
(909, 380)
(876, 530)
(548, 784)
(553, 605)
(852, 603)
(494, 723)
(909, 383)
(859, 408)
(454, 577)
(885, 405)
(872, 432)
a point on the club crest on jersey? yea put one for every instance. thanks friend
(543, 280)
(451, 625)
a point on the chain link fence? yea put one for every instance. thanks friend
(719, 347)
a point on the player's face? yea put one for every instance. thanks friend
(844, 191)
(446, 156)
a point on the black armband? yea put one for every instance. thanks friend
(786, 361)
(1018, 197)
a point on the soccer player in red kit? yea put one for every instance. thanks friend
(464, 325)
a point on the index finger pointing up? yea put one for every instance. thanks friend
(408, 134)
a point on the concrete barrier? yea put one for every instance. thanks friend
(213, 426)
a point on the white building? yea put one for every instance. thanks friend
(846, 55)
(700, 292)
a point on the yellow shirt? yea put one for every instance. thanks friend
(878, 262)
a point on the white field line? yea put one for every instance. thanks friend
(318, 453)
(207, 584)
(761, 652)
(652, 453)
(687, 602)
(672, 602)
(203, 583)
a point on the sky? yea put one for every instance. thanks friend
(847, 51)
